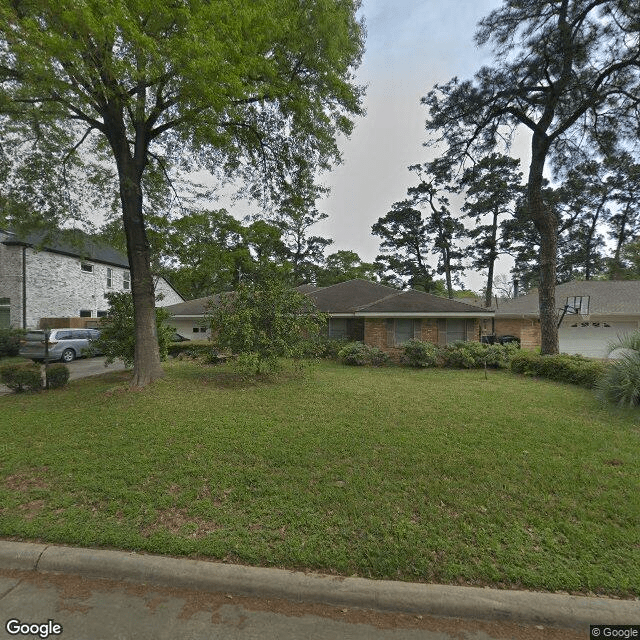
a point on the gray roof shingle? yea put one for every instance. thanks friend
(606, 297)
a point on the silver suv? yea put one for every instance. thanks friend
(64, 344)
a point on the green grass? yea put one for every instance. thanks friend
(437, 475)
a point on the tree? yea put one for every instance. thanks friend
(405, 245)
(263, 321)
(492, 186)
(345, 265)
(117, 335)
(566, 70)
(250, 90)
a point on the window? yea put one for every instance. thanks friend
(85, 313)
(401, 330)
(5, 313)
(103, 314)
(86, 267)
(126, 280)
(338, 328)
(109, 277)
(199, 329)
(455, 330)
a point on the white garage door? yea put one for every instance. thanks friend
(592, 338)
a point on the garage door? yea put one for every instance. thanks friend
(591, 339)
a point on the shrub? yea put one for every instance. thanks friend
(574, 369)
(620, 383)
(359, 354)
(324, 347)
(57, 375)
(195, 349)
(420, 354)
(10, 342)
(20, 378)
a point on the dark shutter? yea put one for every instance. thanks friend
(390, 325)
(442, 332)
(417, 329)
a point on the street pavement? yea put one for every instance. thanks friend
(82, 594)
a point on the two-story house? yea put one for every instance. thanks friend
(62, 277)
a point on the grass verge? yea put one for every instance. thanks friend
(438, 476)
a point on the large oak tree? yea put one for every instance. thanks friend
(567, 70)
(244, 89)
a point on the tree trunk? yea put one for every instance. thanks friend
(492, 260)
(146, 366)
(546, 223)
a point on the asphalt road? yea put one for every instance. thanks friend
(84, 368)
(110, 610)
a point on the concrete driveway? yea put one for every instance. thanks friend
(83, 369)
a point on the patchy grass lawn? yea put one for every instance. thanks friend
(438, 476)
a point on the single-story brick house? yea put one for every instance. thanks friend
(378, 315)
(607, 309)
(63, 277)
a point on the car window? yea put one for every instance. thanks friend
(94, 334)
(34, 336)
(81, 334)
(63, 335)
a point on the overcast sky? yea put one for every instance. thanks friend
(411, 45)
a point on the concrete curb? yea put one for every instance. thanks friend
(524, 607)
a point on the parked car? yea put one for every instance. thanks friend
(64, 344)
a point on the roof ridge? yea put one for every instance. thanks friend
(379, 300)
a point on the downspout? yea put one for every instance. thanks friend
(24, 287)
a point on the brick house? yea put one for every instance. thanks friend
(65, 277)
(594, 313)
(370, 312)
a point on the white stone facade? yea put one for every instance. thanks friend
(58, 285)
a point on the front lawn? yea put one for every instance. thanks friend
(431, 475)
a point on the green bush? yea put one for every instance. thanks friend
(20, 378)
(192, 349)
(324, 347)
(420, 354)
(574, 369)
(359, 354)
(10, 342)
(620, 383)
(57, 375)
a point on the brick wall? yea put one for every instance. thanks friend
(11, 280)
(528, 330)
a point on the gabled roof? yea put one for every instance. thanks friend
(365, 298)
(606, 297)
(76, 244)
(193, 308)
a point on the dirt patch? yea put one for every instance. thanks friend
(31, 509)
(179, 522)
(28, 480)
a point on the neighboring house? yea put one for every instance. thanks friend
(597, 312)
(373, 313)
(61, 279)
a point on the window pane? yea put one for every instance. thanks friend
(337, 328)
(404, 331)
(455, 330)
(5, 318)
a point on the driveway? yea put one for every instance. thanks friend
(84, 368)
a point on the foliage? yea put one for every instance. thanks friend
(117, 335)
(190, 348)
(20, 378)
(620, 383)
(10, 342)
(342, 266)
(324, 347)
(57, 375)
(257, 91)
(264, 321)
(574, 369)
(359, 354)
(417, 353)
(546, 53)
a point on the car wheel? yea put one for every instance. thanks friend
(68, 355)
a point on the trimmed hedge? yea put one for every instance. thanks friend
(192, 349)
(20, 378)
(57, 375)
(561, 368)
(420, 354)
(359, 354)
(10, 342)
(459, 355)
